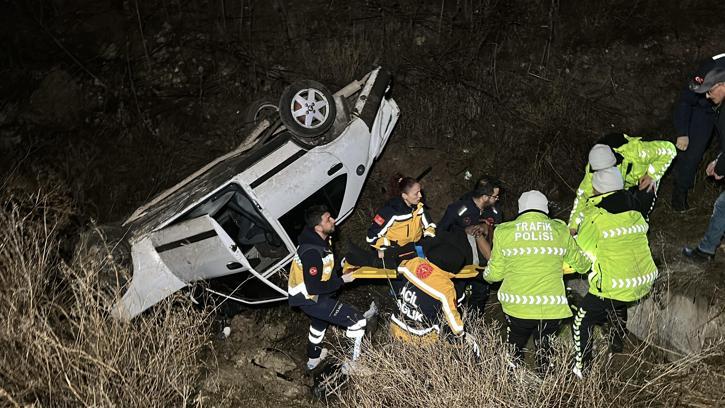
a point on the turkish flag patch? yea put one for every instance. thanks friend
(379, 220)
(699, 80)
(423, 270)
(313, 271)
(467, 221)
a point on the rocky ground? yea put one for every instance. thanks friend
(122, 99)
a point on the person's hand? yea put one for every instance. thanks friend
(348, 277)
(474, 230)
(682, 142)
(710, 170)
(381, 254)
(647, 183)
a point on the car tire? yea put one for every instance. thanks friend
(104, 249)
(307, 109)
(263, 108)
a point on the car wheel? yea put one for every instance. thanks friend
(105, 250)
(264, 108)
(307, 109)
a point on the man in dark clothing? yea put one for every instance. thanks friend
(313, 282)
(474, 208)
(694, 119)
(713, 86)
(476, 214)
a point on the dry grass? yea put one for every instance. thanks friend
(445, 374)
(59, 345)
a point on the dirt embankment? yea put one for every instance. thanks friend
(123, 99)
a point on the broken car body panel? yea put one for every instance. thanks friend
(234, 223)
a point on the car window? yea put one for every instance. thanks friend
(331, 195)
(245, 224)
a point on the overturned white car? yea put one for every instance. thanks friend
(234, 222)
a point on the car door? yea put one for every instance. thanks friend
(208, 247)
(198, 249)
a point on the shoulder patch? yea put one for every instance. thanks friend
(379, 220)
(423, 270)
(313, 271)
(462, 210)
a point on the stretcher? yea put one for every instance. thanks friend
(370, 272)
(469, 271)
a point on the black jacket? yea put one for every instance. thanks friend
(622, 201)
(720, 127)
(314, 272)
(689, 101)
(461, 214)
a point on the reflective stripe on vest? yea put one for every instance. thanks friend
(534, 251)
(532, 300)
(634, 282)
(618, 232)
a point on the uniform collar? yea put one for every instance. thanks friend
(399, 204)
(473, 205)
(310, 237)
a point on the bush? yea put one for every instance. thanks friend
(59, 344)
(445, 374)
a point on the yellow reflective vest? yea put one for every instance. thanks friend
(528, 255)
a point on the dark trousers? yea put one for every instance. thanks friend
(327, 311)
(645, 200)
(518, 332)
(474, 292)
(596, 311)
(687, 162)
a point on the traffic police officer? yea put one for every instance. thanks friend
(528, 255)
(642, 164)
(613, 233)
